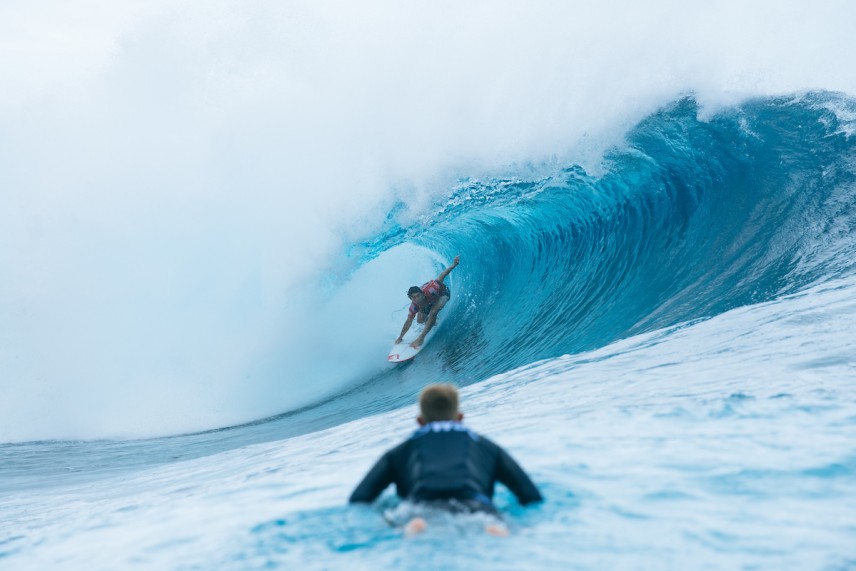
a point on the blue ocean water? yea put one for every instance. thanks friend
(667, 346)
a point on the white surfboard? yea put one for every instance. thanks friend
(402, 352)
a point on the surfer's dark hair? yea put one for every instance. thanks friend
(414, 289)
(439, 402)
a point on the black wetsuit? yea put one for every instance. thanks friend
(447, 461)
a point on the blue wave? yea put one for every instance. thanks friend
(691, 218)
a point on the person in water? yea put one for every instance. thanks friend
(426, 303)
(446, 465)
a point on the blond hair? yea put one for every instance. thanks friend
(439, 402)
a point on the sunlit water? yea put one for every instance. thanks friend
(209, 216)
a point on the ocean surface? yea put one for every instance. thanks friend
(660, 328)
(668, 348)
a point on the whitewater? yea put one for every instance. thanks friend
(210, 214)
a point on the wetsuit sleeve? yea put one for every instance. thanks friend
(510, 474)
(375, 482)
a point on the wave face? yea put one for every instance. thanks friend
(694, 217)
(180, 181)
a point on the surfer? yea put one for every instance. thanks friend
(444, 464)
(426, 303)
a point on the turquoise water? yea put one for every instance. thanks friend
(666, 347)
(210, 213)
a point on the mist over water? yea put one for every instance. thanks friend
(181, 185)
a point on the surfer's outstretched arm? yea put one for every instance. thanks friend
(405, 328)
(445, 272)
(379, 477)
(515, 479)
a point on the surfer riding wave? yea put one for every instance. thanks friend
(426, 303)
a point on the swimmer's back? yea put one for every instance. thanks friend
(446, 460)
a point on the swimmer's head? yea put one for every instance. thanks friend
(439, 402)
(416, 296)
